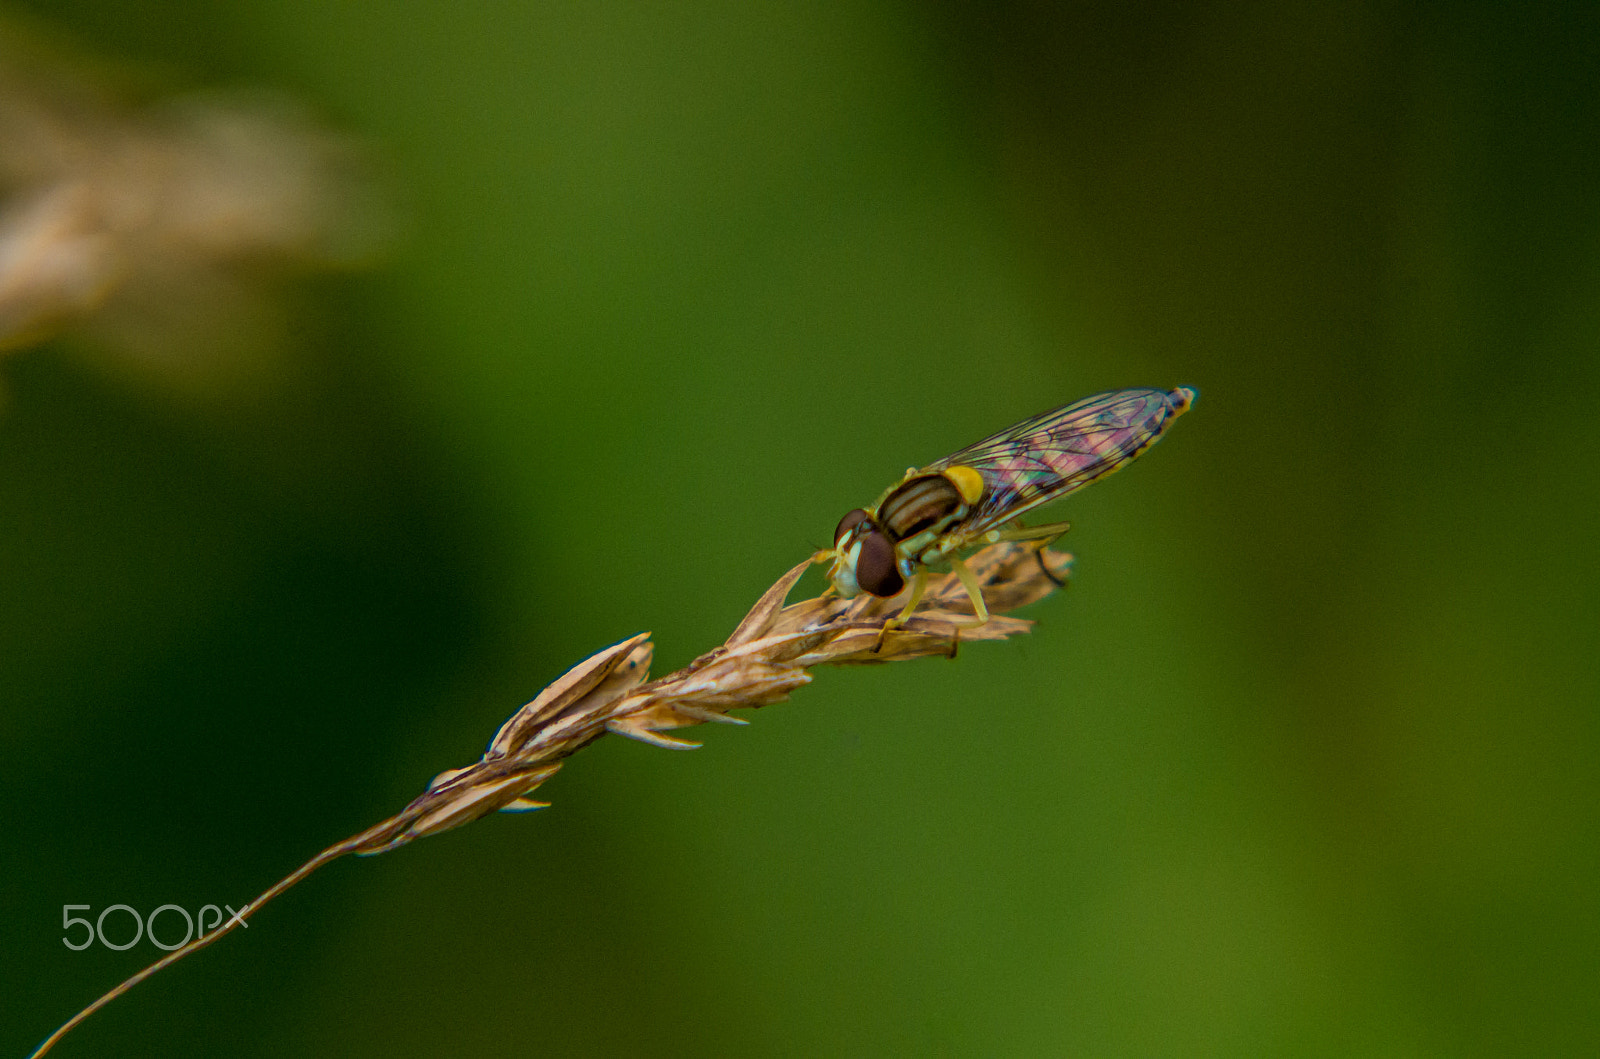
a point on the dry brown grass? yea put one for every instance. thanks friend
(769, 655)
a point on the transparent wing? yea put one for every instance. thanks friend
(1061, 451)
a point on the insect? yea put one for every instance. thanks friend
(975, 496)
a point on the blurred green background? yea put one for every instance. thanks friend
(1303, 763)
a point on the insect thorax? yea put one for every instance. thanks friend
(920, 510)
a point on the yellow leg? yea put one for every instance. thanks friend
(827, 556)
(1047, 532)
(974, 591)
(919, 584)
(1042, 536)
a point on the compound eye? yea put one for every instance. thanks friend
(848, 523)
(876, 570)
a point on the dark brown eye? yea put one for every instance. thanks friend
(876, 571)
(849, 522)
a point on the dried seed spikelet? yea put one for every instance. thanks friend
(617, 669)
(767, 657)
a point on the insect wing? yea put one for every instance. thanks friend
(1058, 452)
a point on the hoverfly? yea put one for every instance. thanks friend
(974, 496)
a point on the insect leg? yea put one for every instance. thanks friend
(919, 584)
(1044, 536)
(974, 590)
(826, 556)
(1047, 532)
(1044, 568)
